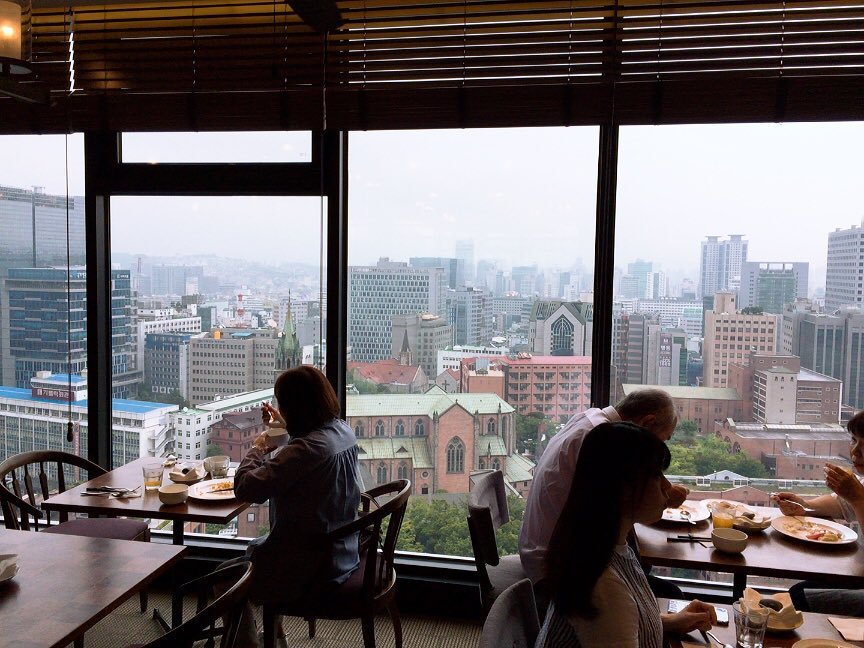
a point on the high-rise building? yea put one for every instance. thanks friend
(523, 280)
(829, 344)
(465, 254)
(560, 328)
(165, 366)
(468, 313)
(44, 326)
(378, 293)
(771, 286)
(166, 322)
(730, 336)
(176, 279)
(453, 268)
(629, 342)
(640, 270)
(720, 264)
(844, 278)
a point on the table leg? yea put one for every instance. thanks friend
(176, 599)
(739, 582)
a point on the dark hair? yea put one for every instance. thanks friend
(615, 459)
(856, 424)
(643, 402)
(305, 399)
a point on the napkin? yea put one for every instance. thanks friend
(787, 617)
(851, 629)
(8, 566)
(194, 472)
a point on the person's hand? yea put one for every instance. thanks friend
(789, 503)
(271, 417)
(676, 495)
(262, 442)
(696, 616)
(844, 483)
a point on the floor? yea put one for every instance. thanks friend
(127, 625)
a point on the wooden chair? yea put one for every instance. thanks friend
(228, 606)
(512, 621)
(372, 586)
(487, 512)
(24, 484)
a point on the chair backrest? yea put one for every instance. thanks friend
(28, 478)
(227, 606)
(379, 517)
(487, 512)
(512, 620)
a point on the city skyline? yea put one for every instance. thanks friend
(676, 186)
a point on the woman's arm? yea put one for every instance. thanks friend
(792, 504)
(696, 616)
(259, 477)
(847, 486)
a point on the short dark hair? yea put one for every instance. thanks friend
(643, 402)
(856, 424)
(305, 399)
(615, 460)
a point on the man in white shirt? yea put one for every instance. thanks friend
(652, 409)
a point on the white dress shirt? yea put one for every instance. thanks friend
(550, 487)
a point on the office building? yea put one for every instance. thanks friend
(556, 386)
(166, 357)
(43, 326)
(451, 357)
(378, 293)
(424, 336)
(466, 270)
(468, 314)
(730, 336)
(176, 279)
(36, 418)
(829, 344)
(560, 328)
(844, 278)
(161, 321)
(772, 286)
(453, 268)
(720, 264)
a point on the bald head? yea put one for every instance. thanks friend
(650, 408)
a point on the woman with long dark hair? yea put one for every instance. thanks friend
(600, 595)
(312, 486)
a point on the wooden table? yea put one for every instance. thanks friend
(769, 553)
(816, 626)
(66, 584)
(146, 506)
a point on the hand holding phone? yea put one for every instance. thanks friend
(676, 605)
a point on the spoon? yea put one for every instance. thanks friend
(710, 634)
(686, 515)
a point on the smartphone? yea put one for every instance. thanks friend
(722, 613)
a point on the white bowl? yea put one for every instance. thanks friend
(173, 493)
(729, 540)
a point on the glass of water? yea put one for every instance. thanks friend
(750, 626)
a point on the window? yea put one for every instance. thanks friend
(379, 428)
(400, 428)
(419, 428)
(382, 473)
(490, 426)
(402, 471)
(358, 430)
(46, 316)
(455, 456)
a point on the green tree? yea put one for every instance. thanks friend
(527, 428)
(214, 450)
(685, 433)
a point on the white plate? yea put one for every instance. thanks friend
(822, 643)
(697, 513)
(735, 508)
(202, 490)
(786, 524)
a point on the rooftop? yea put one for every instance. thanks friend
(117, 404)
(414, 448)
(548, 360)
(684, 393)
(434, 401)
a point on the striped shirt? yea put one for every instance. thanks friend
(627, 612)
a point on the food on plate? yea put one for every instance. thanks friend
(812, 531)
(224, 486)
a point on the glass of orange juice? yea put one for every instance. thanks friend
(152, 474)
(722, 520)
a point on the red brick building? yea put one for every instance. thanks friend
(236, 431)
(397, 377)
(705, 405)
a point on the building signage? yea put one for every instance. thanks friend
(665, 356)
(52, 392)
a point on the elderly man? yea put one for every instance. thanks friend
(649, 408)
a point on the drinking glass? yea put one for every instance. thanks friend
(219, 466)
(722, 520)
(749, 627)
(152, 475)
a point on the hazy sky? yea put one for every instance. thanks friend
(523, 195)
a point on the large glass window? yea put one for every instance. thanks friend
(464, 248)
(739, 255)
(43, 301)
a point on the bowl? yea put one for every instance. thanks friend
(173, 493)
(729, 540)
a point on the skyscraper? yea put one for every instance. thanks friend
(720, 264)
(465, 253)
(468, 312)
(377, 293)
(844, 278)
(772, 286)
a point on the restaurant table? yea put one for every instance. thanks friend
(769, 553)
(66, 584)
(146, 506)
(816, 626)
